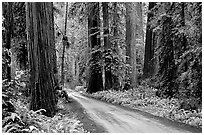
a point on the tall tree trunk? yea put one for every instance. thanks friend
(140, 32)
(8, 15)
(95, 79)
(107, 45)
(167, 64)
(149, 65)
(39, 18)
(115, 26)
(65, 41)
(131, 31)
(115, 78)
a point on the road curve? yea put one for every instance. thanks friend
(120, 120)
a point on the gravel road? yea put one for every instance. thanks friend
(116, 119)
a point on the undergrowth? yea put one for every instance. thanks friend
(17, 118)
(145, 99)
(24, 120)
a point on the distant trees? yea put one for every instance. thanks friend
(40, 26)
(14, 38)
(112, 53)
(19, 48)
(8, 33)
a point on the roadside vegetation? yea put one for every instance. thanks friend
(17, 118)
(144, 98)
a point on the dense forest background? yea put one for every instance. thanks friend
(148, 49)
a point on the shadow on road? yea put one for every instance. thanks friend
(88, 124)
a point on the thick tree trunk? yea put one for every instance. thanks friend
(107, 45)
(39, 18)
(95, 79)
(131, 31)
(54, 55)
(149, 65)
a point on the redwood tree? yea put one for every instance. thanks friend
(131, 31)
(115, 46)
(107, 45)
(95, 72)
(149, 65)
(40, 34)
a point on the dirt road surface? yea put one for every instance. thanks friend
(116, 119)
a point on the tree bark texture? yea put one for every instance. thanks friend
(40, 23)
(149, 65)
(95, 73)
(107, 45)
(131, 33)
(116, 79)
(140, 32)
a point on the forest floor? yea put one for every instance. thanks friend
(144, 99)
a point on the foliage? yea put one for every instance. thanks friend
(19, 48)
(190, 79)
(166, 69)
(17, 118)
(95, 61)
(25, 121)
(187, 45)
